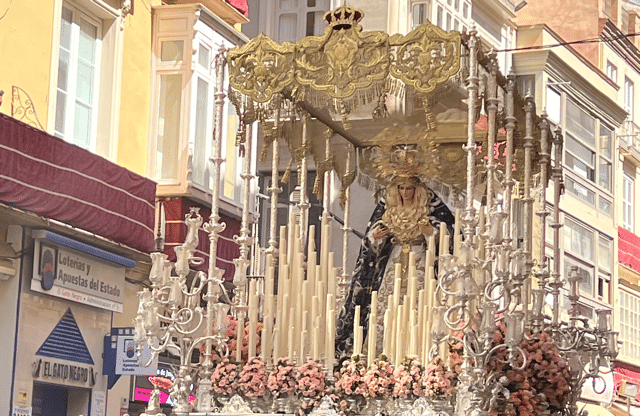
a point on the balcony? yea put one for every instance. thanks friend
(630, 141)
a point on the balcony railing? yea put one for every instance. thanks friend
(630, 136)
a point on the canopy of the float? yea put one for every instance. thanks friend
(367, 93)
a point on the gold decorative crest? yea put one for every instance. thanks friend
(343, 60)
(261, 68)
(426, 57)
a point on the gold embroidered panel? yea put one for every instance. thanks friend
(342, 61)
(426, 57)
(261, 68)
(345, 60)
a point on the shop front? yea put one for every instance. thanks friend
(75, 233)
(68, 296)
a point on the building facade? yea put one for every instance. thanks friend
(608, 173)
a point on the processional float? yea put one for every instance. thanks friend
(351, 104)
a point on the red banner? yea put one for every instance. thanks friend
(629, 249)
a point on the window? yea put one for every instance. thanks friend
(299, 18)
(452, 15)
(612, 72)
(579, 240)
(604, 205)
(168, 136)
(420, 13)
(439, 17)
(183, 105)
(629, 329)
(607, 8)
(76, 105)
(553, 105)
(605, 268)
(628, 185)
(581, 124)
(86, 78)
(591, 253)
(588, 152)
(624, 24)
(580, 158)
(605, 164)
(628, 98)
(580, 191)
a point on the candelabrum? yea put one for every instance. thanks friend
(171, 318)
(589, 350)
(491, 291)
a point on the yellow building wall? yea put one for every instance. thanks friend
(136, 89)
(25, 47)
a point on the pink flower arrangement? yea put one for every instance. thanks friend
(162, 382)
(282, 379)
(379, 379)
(407, 377)
(311, 385)
(543, 383)
(455, 356)
(232, 335)
(311, 379)
(253, 378)
(350, 380)
(438, 380)
(225, 377)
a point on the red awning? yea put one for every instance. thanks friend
(47, 176)
(175, 211)
(622, 373)
(629, 249)
(241, 5)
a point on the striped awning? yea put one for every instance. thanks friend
(47, 176)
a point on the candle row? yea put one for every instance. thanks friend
(299, 320)
(299, 317)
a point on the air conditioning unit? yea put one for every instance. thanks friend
(628, 389)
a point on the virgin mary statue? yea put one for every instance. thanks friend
(401, 223)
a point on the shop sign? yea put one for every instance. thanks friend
(63, 373)
(73, 275)
(122, 357)
(21, 411)
(98, 403)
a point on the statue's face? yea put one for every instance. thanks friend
(407, 190)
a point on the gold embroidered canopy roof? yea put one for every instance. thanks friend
(345, 59)
(346, 78)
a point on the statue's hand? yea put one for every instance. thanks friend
(426, 228)
(380, 232)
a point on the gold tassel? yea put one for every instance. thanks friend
(343, 196)
(287, 173)
(317, 184)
